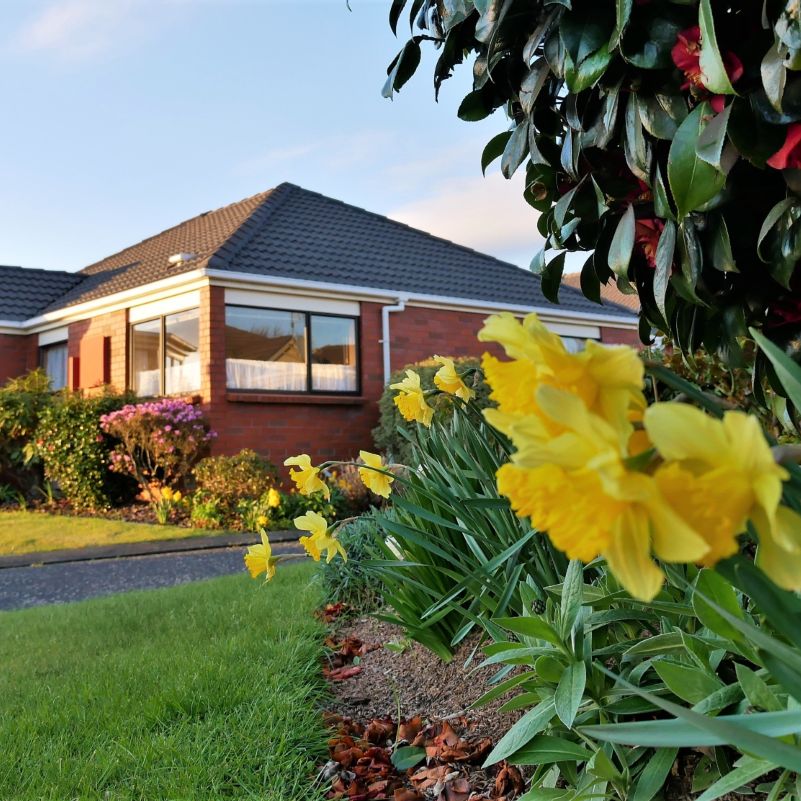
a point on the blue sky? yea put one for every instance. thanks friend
(124, 117)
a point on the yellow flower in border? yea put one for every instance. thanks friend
(320, 540)
(166, 494)
(719, 474)
(306, 477)
(262, 520)
(259, 559)
(448, 380)
(577, 488)
(608, 379)
(376, 482)
(273, 498)
(411, 401)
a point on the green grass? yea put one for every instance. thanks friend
(205, 691)
(25, 532)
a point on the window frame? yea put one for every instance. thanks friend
(42, 365)
(162, 318)
(351, 393)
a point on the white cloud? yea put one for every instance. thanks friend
(487, 214)
(81, 29)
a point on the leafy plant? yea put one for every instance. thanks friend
(352, 582)
(453, 549)
(76, 454)
(206, 510)
(662, 138)
(167, 505)
(245, 475)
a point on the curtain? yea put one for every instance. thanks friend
(288, 376)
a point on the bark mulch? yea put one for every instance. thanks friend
(398, 703)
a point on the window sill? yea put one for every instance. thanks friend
(296, 399)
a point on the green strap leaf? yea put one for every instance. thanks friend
(528, 727)
(570, 692)
(545, 750)
(787, 371)
(748, 770)
(656, 770)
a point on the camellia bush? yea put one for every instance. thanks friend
(662, 137)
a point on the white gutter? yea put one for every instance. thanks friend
(385, 343)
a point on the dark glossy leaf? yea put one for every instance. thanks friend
(716, 78)
(394, 13)
(661, 203)
(474, 107)
(534, 41)
(713, 137)
(622, 14)
(590, 284)
(586, 32)
(773, 217)
(622, 244)
(552, 277)
(648, 40)
(655, 119)
(407, 757)
(788, 372)
(531, 85)
(404, 67)
(587, 73)
(722, 256)
(493, 149)
(774, 74)
(693, 181)
(664, 265)
(635, 148)
(516, 150)
(755, 139)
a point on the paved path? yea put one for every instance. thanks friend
(22, 587)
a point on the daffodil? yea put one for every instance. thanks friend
(579, 488)
(273, 498)
(448, 380)
(608, 380)
(375, 481)
(306, 477)
(411, 401)
(320, 539)
(718, 475)
(262, 520)
(259, 559)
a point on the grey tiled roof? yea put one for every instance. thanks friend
(292, 233)
(25, 293)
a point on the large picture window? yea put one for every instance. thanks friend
(288, 351)
(53, 360)
(165, 357)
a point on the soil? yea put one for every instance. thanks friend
(417, 682)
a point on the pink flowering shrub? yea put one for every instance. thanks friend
(159, 442)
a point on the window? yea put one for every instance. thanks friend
(287, 351)
(165, 359)
(53, 360)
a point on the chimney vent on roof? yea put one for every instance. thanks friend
(180, 258)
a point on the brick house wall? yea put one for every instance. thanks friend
(82, 344)
(18, 354)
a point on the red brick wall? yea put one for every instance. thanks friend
(112, 325)
(324, 427)
(18, 354)
(621, 336)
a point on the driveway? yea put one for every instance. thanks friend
(22, 587)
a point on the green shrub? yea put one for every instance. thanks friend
(206, 510)
(293, 505)
(76, 454)
(351, 581)
(243, 476)
(392, 433)
(22, 401)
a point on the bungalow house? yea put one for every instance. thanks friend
(284, 314)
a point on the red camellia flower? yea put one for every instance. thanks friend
(784, 312)
(788, 156)
(646, 235)
(686, 54)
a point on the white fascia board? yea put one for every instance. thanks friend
(322, 289)
(157, 290)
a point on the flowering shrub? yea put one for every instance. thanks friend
(76, 454)
(159, 442)
(234, 478)
(662, 138)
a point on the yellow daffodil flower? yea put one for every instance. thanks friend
(376, 482)
(578, 489)
(306, 477)
(411, 401)
(448, 380)
(607, 379)
(273, 498)
(259, 559)
(320, 540)
(262, 520)
(166, 494)
(717, 475)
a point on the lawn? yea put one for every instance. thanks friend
(204, 691)
(25, 532)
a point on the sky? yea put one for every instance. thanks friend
(125, 117)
